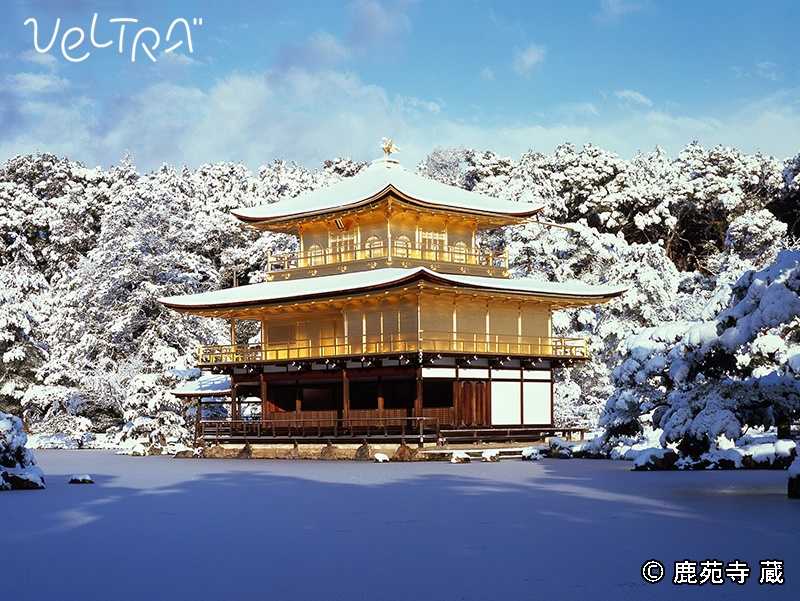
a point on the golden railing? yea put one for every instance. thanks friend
(394, 250)
(426, 342)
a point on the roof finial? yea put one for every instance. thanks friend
(388, 147)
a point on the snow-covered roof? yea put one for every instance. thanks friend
(205, 385)
(566, 294)
(370, 183)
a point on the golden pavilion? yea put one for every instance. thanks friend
(389, 322)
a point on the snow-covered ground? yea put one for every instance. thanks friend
(162, 528)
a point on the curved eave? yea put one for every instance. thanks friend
(560, 299)
(506, 217)
(314, 293)
(382, 177)
(224, 302)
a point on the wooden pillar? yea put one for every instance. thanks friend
(382, 339)
(264, 402)
(418, 399)
(389, 237)
(345, 331)
(474, 227)
(345, 395)
(420, 339)
(473, 404)
(298, 398)
(455, 322)
(488, 325)
(233, 398)
(458, 389)
(198, 418)
(380, 397)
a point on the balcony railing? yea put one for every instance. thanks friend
(394, 250)
(394, 344)
(321, 424)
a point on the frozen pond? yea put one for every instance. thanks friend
(162, 528)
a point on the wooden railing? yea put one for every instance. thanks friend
(426, 342)
(320, 426)
(390, 250)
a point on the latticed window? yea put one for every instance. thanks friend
(343, 240)
(282, 333)
(373, 247)
(344, 244)
(316, 255)
(402, 246)
(459, 252)
(432, 239)
(432, 243)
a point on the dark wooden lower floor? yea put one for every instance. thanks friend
(388, 400)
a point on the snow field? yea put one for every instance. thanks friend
(162, 528)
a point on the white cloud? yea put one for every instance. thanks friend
(487, 74)
(418, 108)
(325, 43)
(625, 136)
(612, 10)
(319, 50)
(49, 125)
(510, 139)
(177, 59)
(30, 84)
(771, 125)
(309, 115)
(526, 59)
(511, 27)
(46, 59)
(373, 23)
(633, 96)
(632, 133)
(764, 70)
(768, 70)
(739, 72)
(576, 110)
(303, 115)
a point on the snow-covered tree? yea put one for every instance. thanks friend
(85, 256)
(12, 444)
(21, 297)
(85, 253)
(786, 204)
(447, 165)
(704, 378)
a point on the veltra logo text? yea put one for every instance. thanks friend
(131, 38)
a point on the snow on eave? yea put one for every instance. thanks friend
(206, 385)
(381, 177)
(577, 291)
(362, 282)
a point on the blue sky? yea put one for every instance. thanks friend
(306, 81)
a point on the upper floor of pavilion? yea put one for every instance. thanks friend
(387, 216)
